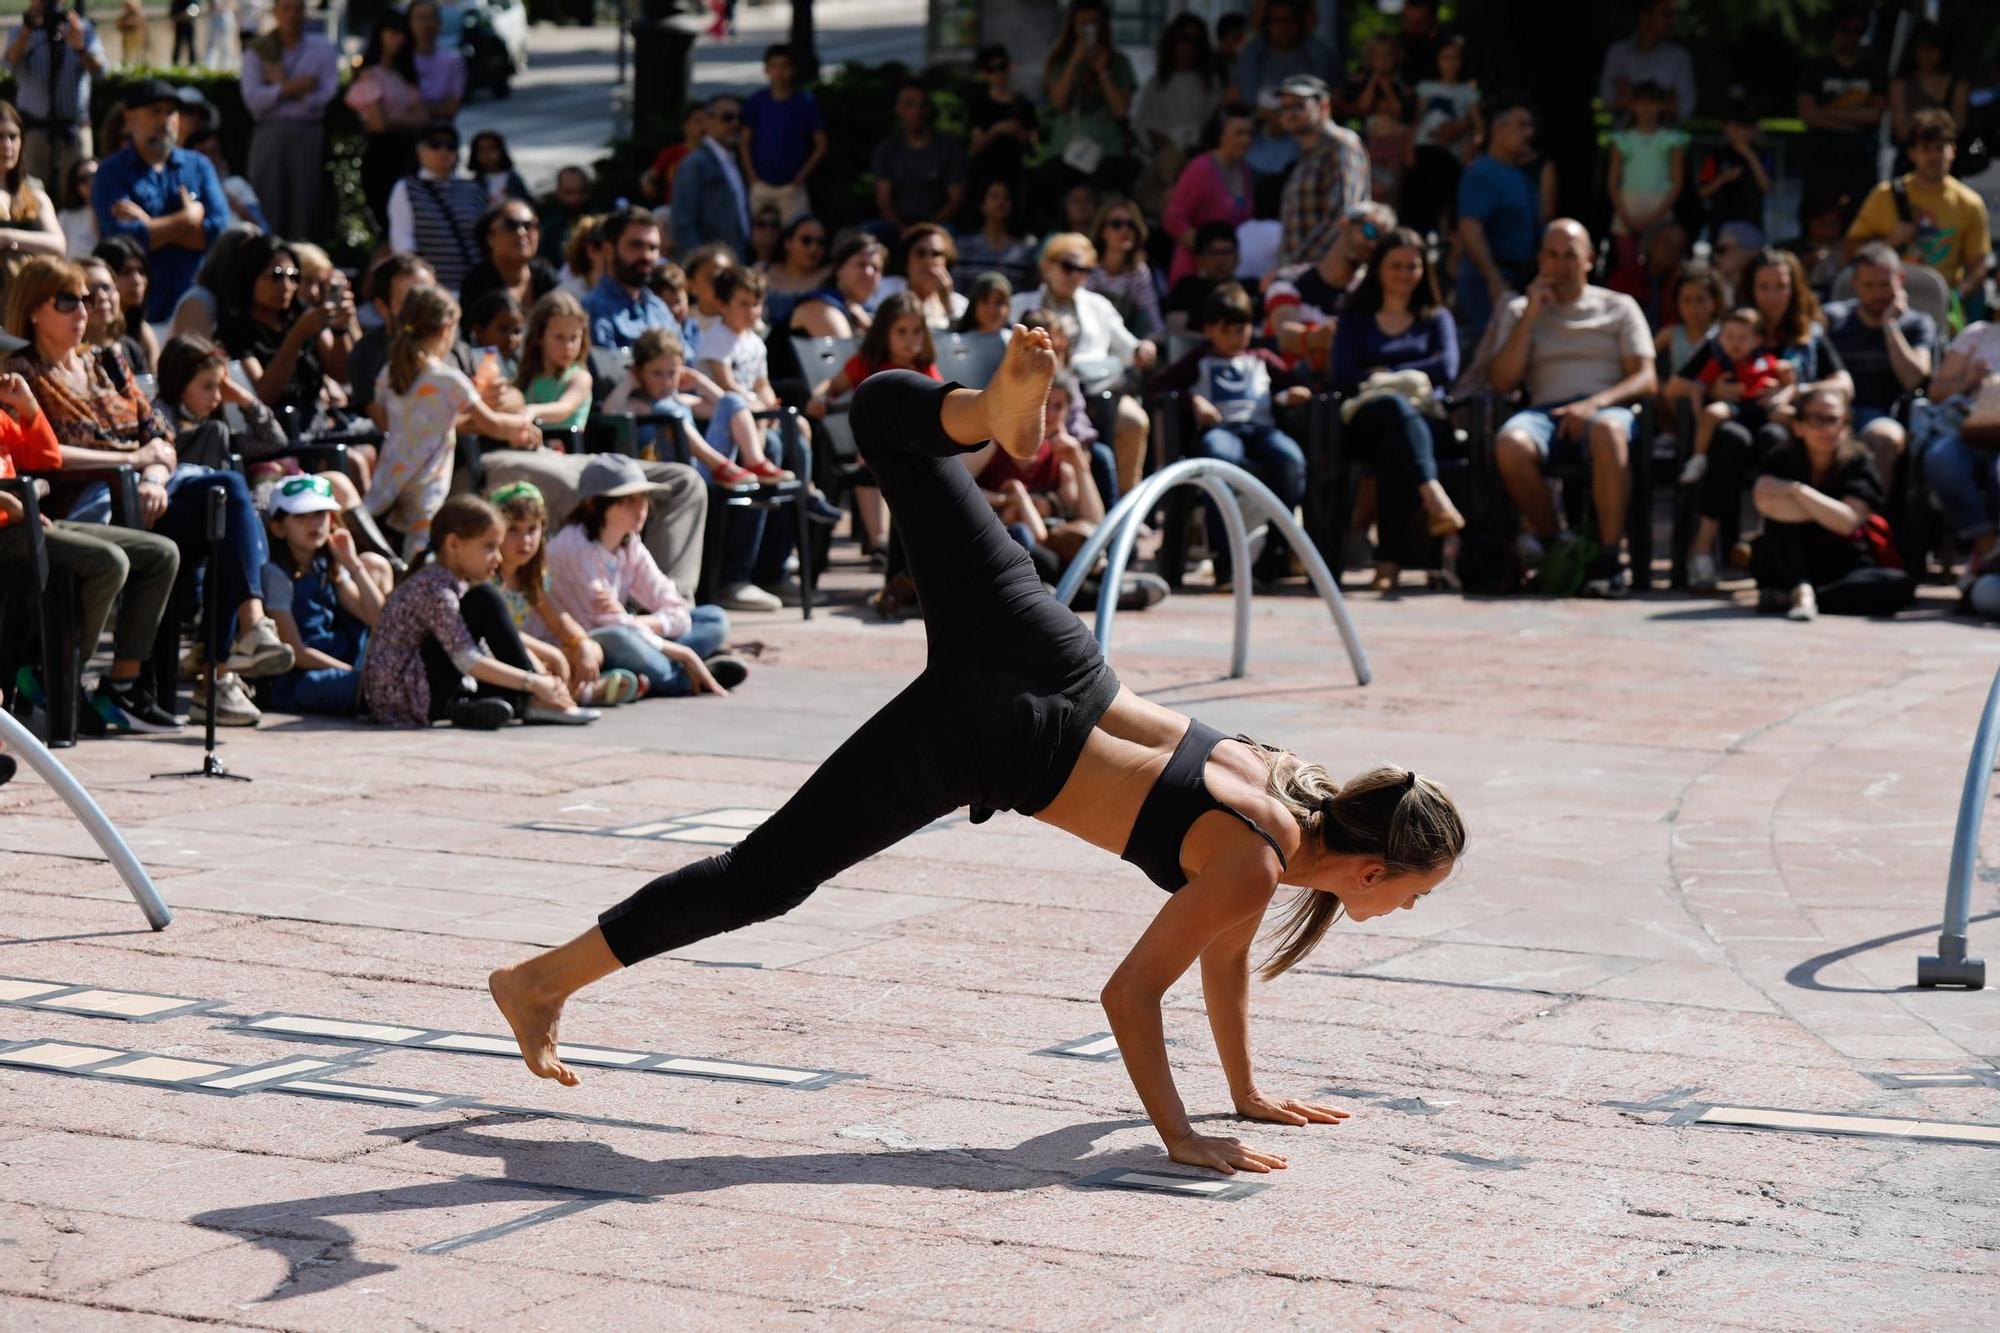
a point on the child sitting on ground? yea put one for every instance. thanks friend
(1737, 378)
(524, 582)
(424, 397)
(324, 596)
(597, 565)
(428, 637)
(552, 375)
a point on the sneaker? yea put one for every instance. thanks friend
(786, 590)
(1529, 548)
(611, 688)
(1804, 604)
(560, 717)
(259, 652)
(729, 670)
(822, 510)
(232, 706)
(1701, 572)
(130, 707)
(1136, 592)
(1607, 578)
(729, 474)
(28, 685)
(766, 471)
(1694, 469)
(748, 597)
(476, 714)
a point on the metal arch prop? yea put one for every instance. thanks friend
(1951, 965)
(90, 816)
(1227, 486)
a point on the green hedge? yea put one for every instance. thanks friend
(345, 229)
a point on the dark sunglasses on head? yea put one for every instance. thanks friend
(520, 224)
(283, 274)
(68, 303)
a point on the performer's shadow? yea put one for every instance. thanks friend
(575, 1174)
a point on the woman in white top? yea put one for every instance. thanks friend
(1173, 106)
(77, 218)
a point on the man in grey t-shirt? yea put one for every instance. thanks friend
(919, 173)
(1584, 354)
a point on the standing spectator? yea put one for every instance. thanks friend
(183, 13)
(384, 94)
(622, 305)
(1332, 175)
(53, 64)
(1649, 55)
(919, 172)
(164, 197)
(76, 218)
(840, 309)
(1174, 106)
(1583, 354)
(1089, 85)
(1734, 176)
(1887, 347)
(289, 77)
(509, 235)
(1648, 168)
(435, 212)
(1214, 188)
(1423, 40)
(440, 68)
(132, 33)
(1928, 215)
(1377, 96)
(493, 167)
(783, 139)
(28, 223)
(997, 247)
(220, 52)
(1925, 83)
(1449, 131)
(571, 201)
(1281, 51)
(1841, 97)
(711, 199)
(1499, 218)
(1002, 122)
(1122, 275)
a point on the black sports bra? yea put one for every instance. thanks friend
(1178, 798)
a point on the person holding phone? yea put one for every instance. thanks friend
(54, 52)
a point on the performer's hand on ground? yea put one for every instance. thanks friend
(1287, 1110)
(1019, 390)
(1226, 1155)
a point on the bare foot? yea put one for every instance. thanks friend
(1018, 393)
(534, 1021)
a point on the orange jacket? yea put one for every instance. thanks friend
(32, 446)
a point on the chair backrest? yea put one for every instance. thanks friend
(1928, 290)
(1180, 344)
(969, 358)
(838, 432)
(819, 358)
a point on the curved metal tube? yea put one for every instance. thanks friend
(38, 758)
(1228, 486)
(1950, 966)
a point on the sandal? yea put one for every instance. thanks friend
(729, 474)
(612, 688)
(766, 471)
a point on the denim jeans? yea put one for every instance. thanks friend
(239, 564)
(626, 647)
(1266, 453)
(330, 690)
(1962, 479)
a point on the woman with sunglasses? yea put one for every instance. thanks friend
(797, 266)
(1122, 276)
(1824, 537)
(263, 325)
(928, 254)
(510, 239)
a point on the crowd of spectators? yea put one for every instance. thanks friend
(1261, 221)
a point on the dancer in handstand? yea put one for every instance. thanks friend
(1017, 710)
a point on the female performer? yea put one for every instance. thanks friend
(1017, 710)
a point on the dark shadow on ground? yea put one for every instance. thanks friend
(1806, 975)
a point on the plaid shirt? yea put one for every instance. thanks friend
(71, 84)
(1332, 177)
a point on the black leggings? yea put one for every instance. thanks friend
(1013, 686)
(486, 616)
(1734, 451)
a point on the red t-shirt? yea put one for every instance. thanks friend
(33, 447)
(1758, 375)
(1040, 473)
(857, 370)
(663, 166)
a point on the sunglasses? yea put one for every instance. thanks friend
(68, 303)
(928, 252)
(1071, 266)
(292, 486)
(1120, 224)
(519, 224)
(283, 274)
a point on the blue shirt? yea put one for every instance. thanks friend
(1505, 201)
(1360, 347)
(157, 190)
(781, 133)
(617, 318)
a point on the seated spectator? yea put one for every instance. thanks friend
(1790, 317)
(1079, 207)
(660, 382)
(1331, 179)
(1841, 99)
(498, 325)
(28, 223)
(1089, 84)
(711, 199)
(1302, 305)
(840, 309)
(324, 595)
(1232, 34)
(1215, 264)
(131, 569)
(1649, 277)
(195, 311)
(622, 306)
(279, 340)
(1699, 298)
(597, 567)
(1396, 324)
(1003, 124)
(1647, 170)
(565, 207)
(1736, 374)
(428, 637)
(989, 306)
(101, 418)
(784, 138)
(1734, 176)
(551, 635)
(766, 224)
(553, 377)
(1925, 83)
(243, 200)
(1737, 245)
(919, 171)
(586, 258)
(996, 247)
(1174, 107)
(899, 339)
(1960, 475)
(1377, 96)
(1214, 187)
(493, 167)
(1584, 354)
(1822, 504)
(1102, 348)
(76, 217)
(384, 94)
(1122, 275)
(133, 277)
(1928, 215)
(1282, 50)
(703, 265)
(107, 324)
(509, 245)
(440, 66)
(1499, 217)
(1887, 349)
(797, 267)
(436, 212)
(387, 285)
(1649, 55)
(928, 254)
(1450, 128)
(164, 197)
(1077, 424)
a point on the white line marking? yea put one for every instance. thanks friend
(742, 818)
(161, 1069)
(255, 1076)
(466, 1041)
(1173, 1184)
(358, 1093)
(13, 988)
(597, 1055)
(729, 1069)
(334, 1027)
(705, 833)
(641, 830)
(58, 1055)
(127, 1003)
(1101, 1046)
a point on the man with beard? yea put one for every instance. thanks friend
(623, 306)
(436, 212)
(1887, 347)
(165, 197)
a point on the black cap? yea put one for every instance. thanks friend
(150, 92)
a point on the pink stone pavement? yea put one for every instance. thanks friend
(1688, 826)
